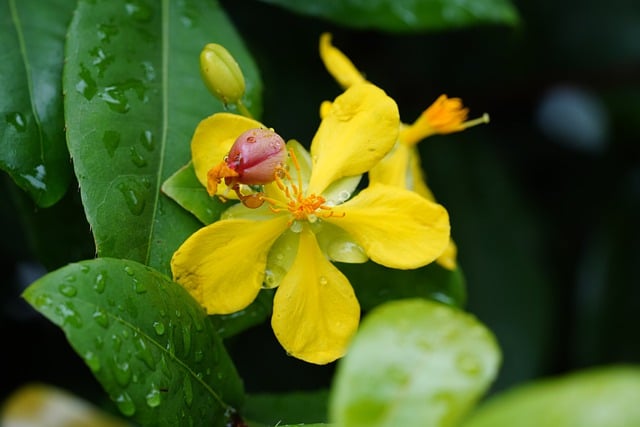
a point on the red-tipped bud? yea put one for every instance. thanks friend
(256, 155)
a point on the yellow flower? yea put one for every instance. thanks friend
(309, 219)
(401, 167)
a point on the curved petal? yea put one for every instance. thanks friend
(401, 168)
(212, 140)
(448, 258)
(337, 63)
(397, 228)
(315, 311)
(358, 131)
(222, 265)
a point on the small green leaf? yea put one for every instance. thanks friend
(145, 339)
(599, 397)
(406, 15)
(375, 284)
(185, 189)
(298, 407)
(33, 148)
(413, 362)
(134, 97)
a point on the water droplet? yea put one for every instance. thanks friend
(469, 364)
(69, 314)
(158, 327)
(122, 372)
(139, 287)
(84, 268)
(115, 98)
(86, 86)
(296, 226)
(68, 290)
(99, 342)
(143, 353)
(345, 250)
(312, 218)
(133, 198)
(43, 301)
(106, 31)
(153, 397)
(111, 141)
(147, 140)
(136, 158)
(92, 361)
(101, 60)
(125, 404)
(17, 120)
(101, 317)
(178, 313)
(36, 180)
(149, 71)
(138, 10)
(117, 343)
(188, 391)
(323, 281)
(197, 322)
(343, 196)
(186, 338)
(100, 282)
(128, 270)
(198, 355)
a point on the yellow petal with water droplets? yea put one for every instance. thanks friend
(315, 311)
(358, 131)
(222, 265)
(397, 228)
(212, 140)
(337, 63)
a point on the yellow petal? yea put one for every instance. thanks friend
(448, 258)
(418, 183)
(212, 140)
(359, 130)
(315, 311)
(337, 63)
(397, 228)
(222, 265)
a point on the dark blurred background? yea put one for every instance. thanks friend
(544, 201)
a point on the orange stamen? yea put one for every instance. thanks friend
(216, 174)
(300, 207)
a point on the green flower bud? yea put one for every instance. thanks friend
(221, 73)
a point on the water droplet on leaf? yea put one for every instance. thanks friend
(68, 290)
(92, 361)
(153, 397)
(158, 327)
(111, 141)
(100, 282)
(188, 391)
(17, 121)
(101, 317)
(122, 372)
(125, 404)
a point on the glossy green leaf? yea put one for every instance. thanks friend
(599, 397)
(32, 142)
(298, 407)
(145, 339)
(133, 99)
(406, 15)
(413, 362)
(185, 189)
(375, 284)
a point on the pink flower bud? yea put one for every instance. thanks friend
(255, 155)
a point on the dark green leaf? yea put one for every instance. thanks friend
(228, 325)
(413, 362)
(185, 189)
(145, 339)
(276, 409)
(375, 284)
(133, 99)
(406, 15)
(33, 147)
(602, 397)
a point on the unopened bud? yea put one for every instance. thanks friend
(221, 73)
(255, 156)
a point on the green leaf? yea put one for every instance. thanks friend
(298, 407)
(185, 189)
(133, 99)
(406, 15)
(375, 284)
(32, 142)
(145, 339)
(413, 362)
(599, 397)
